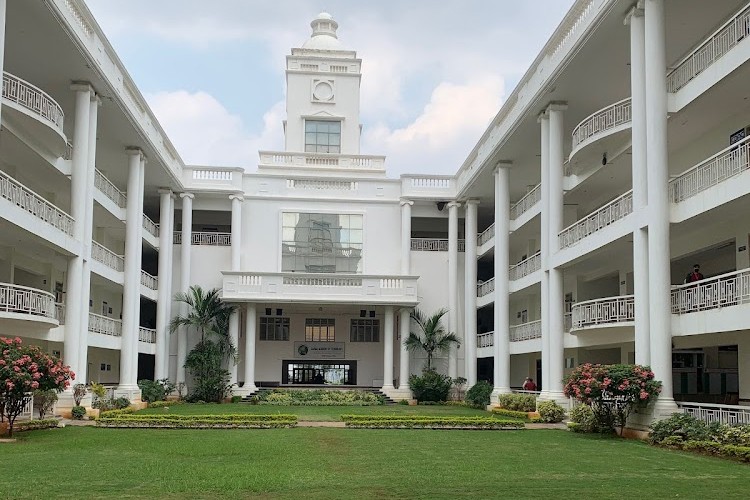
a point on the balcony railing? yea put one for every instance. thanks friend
(110, 190)
(722, 166)
(603, 120)
(205, 239)
(526, 203)
(35, 100)
(24, 300)
(526, 267)
(102, 254)
(105, 325)
(434, 245)
(718, 44)
(330, 160)
(60, 312)
(526, 331)
(150, 226)
(147, 335)
(613, 211)
(609, 310)
(486, 287)
(725, 414)
(150, 282)
(485, 339)
(28, 200)
(486, 235)
(725, 290)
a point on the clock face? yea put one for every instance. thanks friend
(323, 91)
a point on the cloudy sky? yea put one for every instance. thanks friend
(435, 72)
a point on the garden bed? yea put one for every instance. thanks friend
(428, 422)
(317, 397)
(246, 421)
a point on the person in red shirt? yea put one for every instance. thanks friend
(529, 384)
(695, 275)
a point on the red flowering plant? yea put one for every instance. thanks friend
(612, 391)
(24, 369)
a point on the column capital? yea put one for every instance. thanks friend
(81, 86)
(133, 151)
(406, 202)
(472, 201)
(502, 164)
(557, 106)
(165, 191)
(237, 196)
(542, 116)
(95, 99)
(635, 11)
(453, 204)
(187, 195)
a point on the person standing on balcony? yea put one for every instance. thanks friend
(529, 384)
(695, 275)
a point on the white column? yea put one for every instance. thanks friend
(640, 184)
(406, 236)
(470, 292)
(659, 279)
(556, 293)
(388, 350)
(166, 236)
(234, 320)
(78, 195)
(2, 42)
(453, 285)
(88, 227)
(187, 232)
(250, 336)
(132, 286)
(404, 322)
(501, 375)
(545, 250)
(743, 368)
(170, 302)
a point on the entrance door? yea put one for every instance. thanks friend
(319, 372)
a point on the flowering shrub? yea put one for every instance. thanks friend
(612, 391)
(24, 369)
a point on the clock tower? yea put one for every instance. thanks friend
(322, 102)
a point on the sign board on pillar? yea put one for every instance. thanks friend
(319, 350)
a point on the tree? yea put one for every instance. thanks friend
(431, 336)
(209, 315)
(24, 369)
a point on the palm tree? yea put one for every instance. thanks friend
(207, 313)
(431, 336)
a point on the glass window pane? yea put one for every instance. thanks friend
(334, 139)
(355, 221)
(321, 139)
(310, 138)
(311, 126)
(355, 236)
(334, 127)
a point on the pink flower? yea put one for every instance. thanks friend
(35, 385)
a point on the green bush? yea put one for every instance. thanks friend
(162, 404)
(510, 413)
(403, 402)
(245, 421)
(32, 425)
(517, 402)
(155, 390)
(427, 422)
(236, 399)
(734, 435)
(479, 394)
(78, 412)
(685, 426)
(115, 412)
(550, 412)
(583, 415)
(430, 386)
(318, 397)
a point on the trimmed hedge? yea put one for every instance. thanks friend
(517, 402)
(33, 425)
(162, 404)
(318, 397)
(427, 422)
(742, 453)
(113, 413)
(510, 413)
(199, 421)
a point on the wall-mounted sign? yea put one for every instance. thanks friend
(319, 350)
(739, 135)
(742, 249)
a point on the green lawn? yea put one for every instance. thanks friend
(320, 413)
(353, 464)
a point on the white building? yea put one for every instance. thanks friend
(618, 162)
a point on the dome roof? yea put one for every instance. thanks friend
(324, 34)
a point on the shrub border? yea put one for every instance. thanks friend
(198, 421)
(427, 422)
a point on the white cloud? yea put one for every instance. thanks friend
(206, 133)
(440, 138)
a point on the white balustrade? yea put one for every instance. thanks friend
(485, 339)
(150, 282)
(719, 43)
(526, 203)
(434, 245)
(332, 281)
(213, 175)
(147, 335)
(526, 267)
(322, 184)
(485, 287)
(526, 331)
(105, 325)
(25, 300)
(28, 200)
(107, 257)
(725, 414)
(60, 312)
(110, 190)
(338, 161)
(613, 211)
(33, 99)
(27, 412)
(620, 309)
(602, 121)
(150, 226)
(486, 235)
(205, 239)
(430, 182)
(723, 165)
(725, 290)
